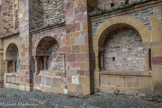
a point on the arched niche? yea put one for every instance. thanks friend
(48, 55)
(121, 50)
(12, 58)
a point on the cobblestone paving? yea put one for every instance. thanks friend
(10, 98)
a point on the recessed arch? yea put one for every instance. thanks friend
(15, 42)
(41, 38)
(12, 58)
(43, 47)
(121, 49)
(48, 54)
(127, 20)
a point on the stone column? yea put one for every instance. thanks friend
(82, 39)
(101, 63)
(6, 66)
(25, 45)
(2, 67)
(97, 61)
(36, 64)
(18, 65)
(96, 75)
(45, 62)
(14, 66)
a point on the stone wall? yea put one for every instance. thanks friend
(48, 52)
(146, 19)
(46, 12)
(36, 14)
(9, 16)
(124, 51)
(107, 4)
(53, 11)
(142, 15)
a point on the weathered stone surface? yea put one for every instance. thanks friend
(124, 51)
(9, 17)
(46, 12)
(63, 50)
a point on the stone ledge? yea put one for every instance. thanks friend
(51, 73)
(126, 73)
(120, 8)
(9, 35)
(47, 27)
(13, 74)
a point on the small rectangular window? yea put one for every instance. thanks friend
(126, 1)
(113, 59)
(112, 4)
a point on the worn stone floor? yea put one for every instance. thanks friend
(11, 98)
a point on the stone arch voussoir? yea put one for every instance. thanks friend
(128, 20)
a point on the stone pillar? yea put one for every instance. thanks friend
(97, 69)
(78, 42)
(156, 50)
(101, 56)
(36, 64)
(25, 46)
(45, 62)
(156, 53)
(1, 65)
(18, 65)
(97, 61)
(14, 66)
(6, 66)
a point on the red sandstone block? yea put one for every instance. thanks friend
(80, 8)
(70, 28)
(63, 49)
(77, 27)
(81, 57)
(75, 65)
(22, 54)
(83, 72)
(157, 60)
(71, 57)
(81, 16)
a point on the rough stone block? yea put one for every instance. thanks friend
(86, 90)
(118, 81)
(84, 80)
(72, 87)
(157, 60)
(157, 26)
(105, 80)
(132, 82)
(157, 36)
(84, 65)
(145, 83)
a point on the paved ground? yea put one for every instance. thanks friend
(10, 98)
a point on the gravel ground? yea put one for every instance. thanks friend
(11, 98)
